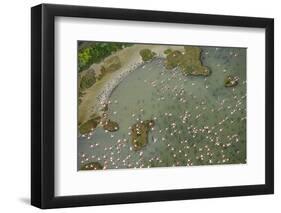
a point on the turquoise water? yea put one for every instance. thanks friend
(198, 121)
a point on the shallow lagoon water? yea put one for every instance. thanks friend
(198, 121)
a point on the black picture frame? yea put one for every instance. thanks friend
(43, 105)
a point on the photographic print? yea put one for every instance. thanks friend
(158, 105)
(197, 112)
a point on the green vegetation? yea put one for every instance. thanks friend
(139, 133)
(89, 125)
(92, 166)
(174, 59)
(147, 54)
(93, 52)
(231, 81)
(110, 65)
(168, 51)
(87, 80)
(189, 61)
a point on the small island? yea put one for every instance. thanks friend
(189, 61)
(140, 132)
(91, 166)
(95, 121)
(90, 125)
(231, 81)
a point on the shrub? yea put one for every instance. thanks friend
(87, 80)
(147, 54)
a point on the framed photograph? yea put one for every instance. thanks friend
(139, 106)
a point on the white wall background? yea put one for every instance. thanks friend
(15, 105)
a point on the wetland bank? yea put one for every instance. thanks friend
(144, 105)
